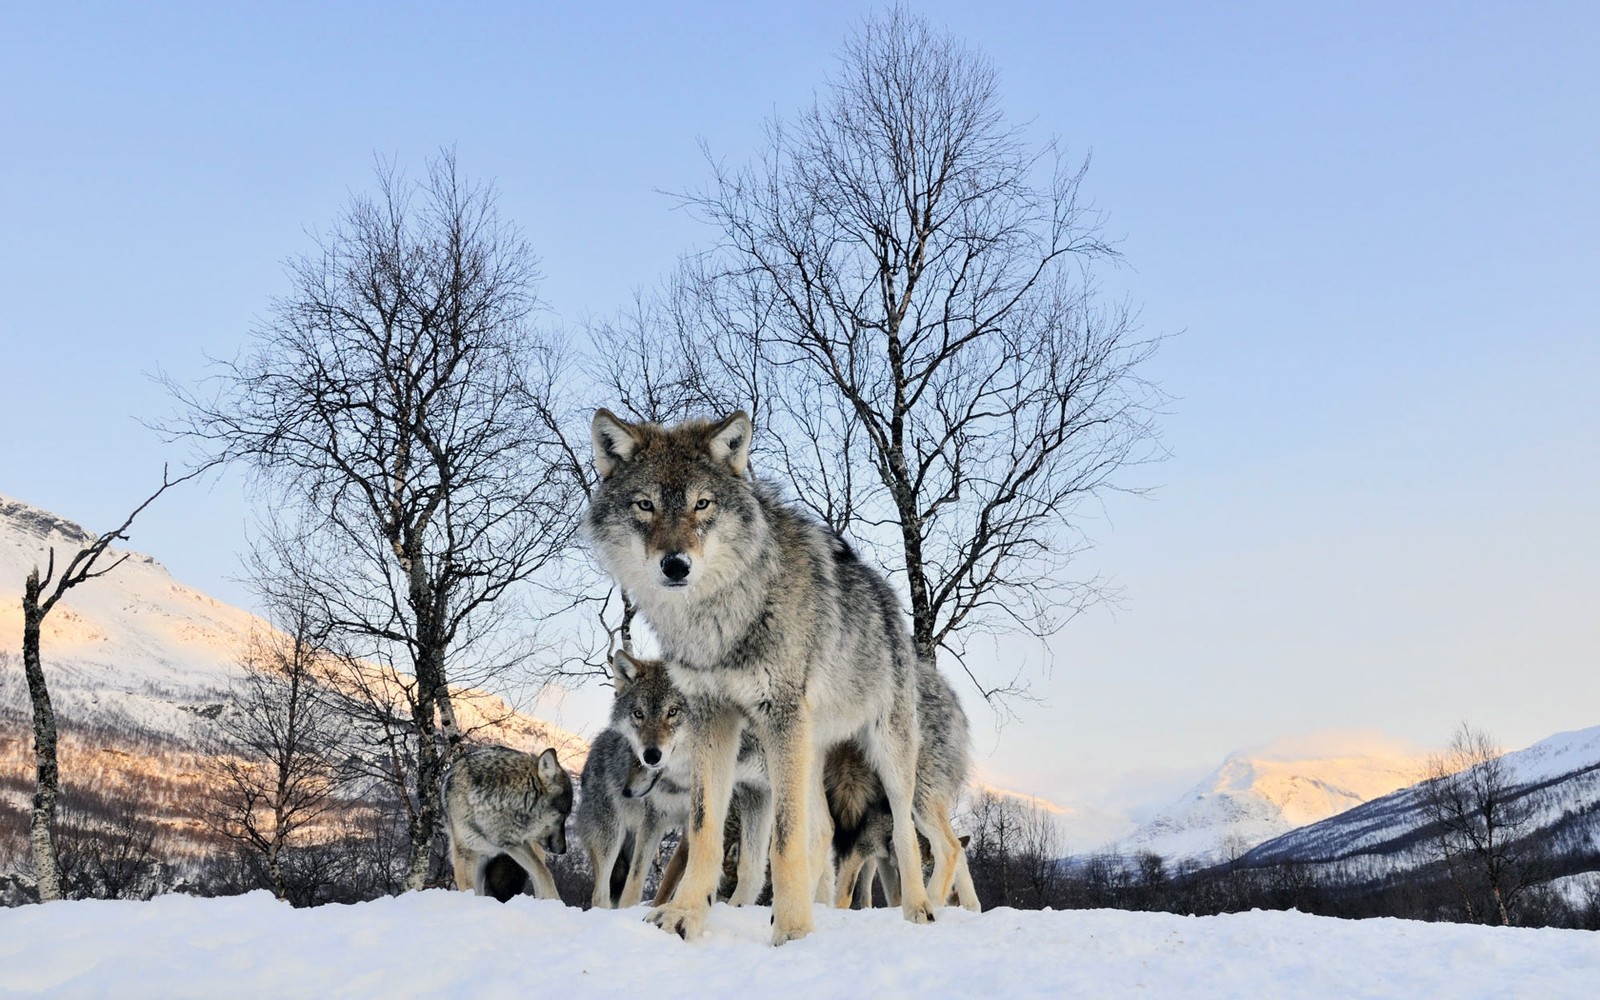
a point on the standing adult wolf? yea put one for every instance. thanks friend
(766, 618)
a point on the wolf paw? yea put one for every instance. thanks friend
(922, 914)
(783, 935)
(685, 921)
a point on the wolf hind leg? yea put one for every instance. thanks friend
(933, 819)
(672, 874)
(893, 753)
(853, 867)
(755, 843)
(965, 891)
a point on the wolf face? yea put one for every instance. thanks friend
(672, 506)
(651, 712)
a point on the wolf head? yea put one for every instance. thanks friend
(554, 786)
(649, 710)
(673, 506)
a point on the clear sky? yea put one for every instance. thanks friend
(1373, 228)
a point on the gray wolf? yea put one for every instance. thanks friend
(859, 809)
(503, 801)
(767, 620)
(636, 787)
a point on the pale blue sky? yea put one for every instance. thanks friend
(1374, 224)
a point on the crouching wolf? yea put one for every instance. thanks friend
(767, 619)
(636, 788)
(502, 801)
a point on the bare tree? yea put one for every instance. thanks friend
(394, 405)
(109, 850)
(40, 595)
(903, 290)
(277, 748)
(1480, 818)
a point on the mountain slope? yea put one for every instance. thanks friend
(1253, 798)
(1557, 781)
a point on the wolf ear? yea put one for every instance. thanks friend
(615, 441)
(549, 767)
(624, 669)
(729, 442)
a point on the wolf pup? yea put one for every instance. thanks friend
(767, 619)
(856, 803)
(502, 801)
(636, 787)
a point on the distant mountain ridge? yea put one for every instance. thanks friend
(1252, 798)
(1557, 780)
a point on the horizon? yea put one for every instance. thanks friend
(1367, 233)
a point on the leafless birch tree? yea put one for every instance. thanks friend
(40, 594)
(392, 406)
(277, 750)
(1479, 820)
(902, 292)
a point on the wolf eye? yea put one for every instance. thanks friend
(672, 713)
(638, 714)
(702, 504)
(644, 505)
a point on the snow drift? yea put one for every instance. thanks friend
(448, 944)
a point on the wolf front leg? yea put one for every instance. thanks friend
(715, 746)
(531, 857)
(646, 839)
(790, 763)
(465, 865)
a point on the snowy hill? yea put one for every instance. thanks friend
(448, 944)
(137, 665)
(1253, 798)
(1557, 779)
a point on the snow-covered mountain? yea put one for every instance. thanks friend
(1557, 781)
(1252, 798)
(137, 663)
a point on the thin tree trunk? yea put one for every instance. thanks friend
(47, 778)
(428, 773)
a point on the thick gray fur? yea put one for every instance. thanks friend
(767, 619)
(503, 801)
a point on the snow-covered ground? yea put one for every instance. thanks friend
(448, 944)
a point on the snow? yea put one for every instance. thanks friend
(441, 943)
(1555, 756)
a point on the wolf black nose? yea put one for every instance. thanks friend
(652, 756)
(675, 567)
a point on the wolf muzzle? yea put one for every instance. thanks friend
(675, 567)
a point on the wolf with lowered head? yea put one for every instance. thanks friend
(503, 801)
(766, 619)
